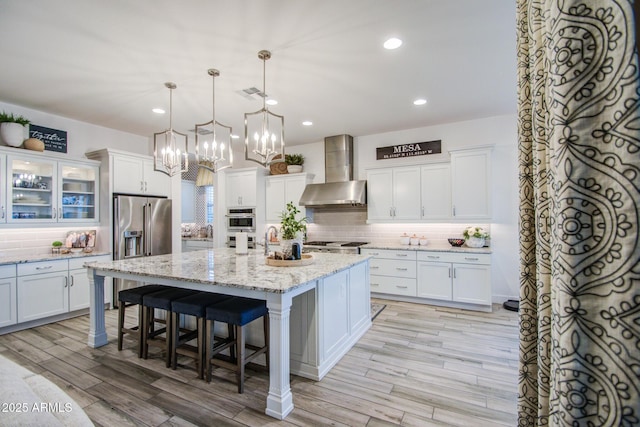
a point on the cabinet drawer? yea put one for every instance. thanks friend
(42, 267)
(78, 263)
(393, 285)
(391, 267)
(7, 270)
(467, 258)
(390, 254)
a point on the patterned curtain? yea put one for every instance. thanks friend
(579, 159)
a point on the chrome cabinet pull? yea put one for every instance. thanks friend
(373, 266)
(454, 273)
(471, 259)
(404, 255)
(390, 211)
(141, 185)
(71, 281)
(47, 267)
(454, 210)
(401, 269)
(449, 273)
(401, 287)
(3, 212)
(433, 257)
(423, 211)
(66, 282)
(375, 284)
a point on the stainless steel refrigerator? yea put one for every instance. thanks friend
(141, 227)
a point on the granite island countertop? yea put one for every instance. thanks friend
(433, 245)
(19, 259)
(221, 266)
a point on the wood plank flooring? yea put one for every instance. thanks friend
(419, 365)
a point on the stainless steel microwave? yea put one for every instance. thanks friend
(241, 219)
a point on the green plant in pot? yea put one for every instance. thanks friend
(12, 129)
(292, 229)
(294, 162)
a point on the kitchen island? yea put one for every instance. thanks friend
(317, 312)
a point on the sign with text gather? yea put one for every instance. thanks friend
(409, 150)
(54, 140)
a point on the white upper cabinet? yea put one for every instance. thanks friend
(240, 188)
(37, 189)
(392, 194)
(471, 184)
(134, 174)
(282, 189)
(435, 185)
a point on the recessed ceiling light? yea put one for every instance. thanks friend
(420, 101)
(271, 102)
(158, 111)
(307, 123)
(392, 43)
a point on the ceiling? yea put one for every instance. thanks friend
(106, 62)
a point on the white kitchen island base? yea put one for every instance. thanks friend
(331, 311)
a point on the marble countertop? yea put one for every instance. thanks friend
(221, 266)
(197, 239)
(19, 259)
(434, 245)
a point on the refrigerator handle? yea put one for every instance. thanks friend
(116, 229)
(147, 226)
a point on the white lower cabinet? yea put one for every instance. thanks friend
(462, 279)
(49, 288)
(392, 272)
(43, 289)
(8, 298)
(458, 277)
(344, 303)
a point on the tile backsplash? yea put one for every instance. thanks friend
(350, 225)
(35, 241)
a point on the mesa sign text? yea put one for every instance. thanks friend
(409, 150)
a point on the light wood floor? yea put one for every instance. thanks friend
(419, 365)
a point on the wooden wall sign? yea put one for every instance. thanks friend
(409, 150)
(54, 140)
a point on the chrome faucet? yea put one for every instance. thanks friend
(209, 230)
(266, 238)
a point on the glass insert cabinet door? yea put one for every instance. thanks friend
(31, 196)
(78, 185)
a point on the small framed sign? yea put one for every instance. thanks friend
(409, 150)
(54, 140)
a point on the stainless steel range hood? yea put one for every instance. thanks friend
(339, 188)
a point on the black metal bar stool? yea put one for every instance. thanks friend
(160, 300)
(192, 305)
(129, 298)
(238, 312)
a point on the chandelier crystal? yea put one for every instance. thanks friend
(264, 130)
(213, 139)
(170, 148)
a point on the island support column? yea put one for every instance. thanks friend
(279, 400)
(97, 330)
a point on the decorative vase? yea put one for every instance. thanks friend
(12, 133)
(475, 242)
(286, 244)
(294, 168)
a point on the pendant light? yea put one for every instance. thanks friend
(170, 148)
(213, 139)
(264, 130)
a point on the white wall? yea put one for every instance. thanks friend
(83, 137)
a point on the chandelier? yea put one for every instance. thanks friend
(213, 138)
(170, 148)
(263, 130)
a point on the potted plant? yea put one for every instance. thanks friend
(12, 129)
(294, 162)
(292, 229)
(56, 247)
(475, 236)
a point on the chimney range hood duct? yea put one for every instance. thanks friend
(339, 188)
